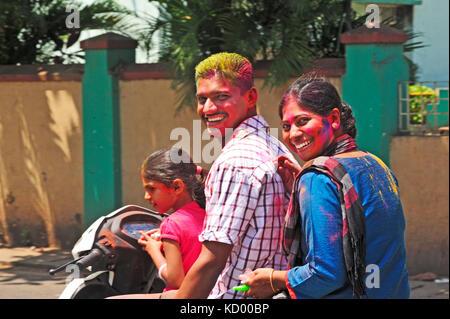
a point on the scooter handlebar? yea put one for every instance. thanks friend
(90, 259)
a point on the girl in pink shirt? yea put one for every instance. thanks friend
(173, 183)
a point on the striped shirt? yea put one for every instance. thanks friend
(246, 203)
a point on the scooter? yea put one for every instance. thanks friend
(109, 261)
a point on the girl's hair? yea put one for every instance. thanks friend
(168, 164)
(319, 96)
(230, 66)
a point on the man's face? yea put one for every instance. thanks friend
(220, 104)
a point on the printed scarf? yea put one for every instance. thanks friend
(353, 217)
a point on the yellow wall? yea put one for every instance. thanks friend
(148, 118)
(421, 165)
(41, 169)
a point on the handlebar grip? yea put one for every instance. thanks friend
(90, 259)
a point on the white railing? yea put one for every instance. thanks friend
(423, 107)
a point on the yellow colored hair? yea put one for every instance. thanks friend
(230, 66)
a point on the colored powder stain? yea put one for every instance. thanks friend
(382, 198)
(229, 66)
(302, 191)
(326, 124)
(324, 128)
(334, 237)
(393, 185)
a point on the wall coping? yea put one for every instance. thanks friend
(41, 72)
(108, 40)
(383, 34)
(330, 67)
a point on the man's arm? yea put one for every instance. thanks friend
(202, 276)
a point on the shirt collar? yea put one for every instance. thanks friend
(249, 126)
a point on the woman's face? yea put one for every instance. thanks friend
(308, 133)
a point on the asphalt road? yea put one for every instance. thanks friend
(20, 282)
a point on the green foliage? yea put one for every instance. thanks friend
(35, 31)
(287, 34)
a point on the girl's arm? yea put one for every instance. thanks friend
(173, 273)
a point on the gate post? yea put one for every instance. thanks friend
(374, 67)
(101, 123)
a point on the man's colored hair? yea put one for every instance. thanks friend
(230, 66)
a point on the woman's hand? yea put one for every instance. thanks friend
(259, 284)
(288, 171)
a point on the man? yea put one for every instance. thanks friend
(245, 197)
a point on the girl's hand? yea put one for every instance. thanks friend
(154, 234)
(259, 284)
(150, 244)
(287, 170)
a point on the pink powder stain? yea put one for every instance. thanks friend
(334, 237)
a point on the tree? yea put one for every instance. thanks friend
(287, 34)
(35, 31)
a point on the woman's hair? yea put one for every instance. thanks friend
(230, 66)
(168, 164)
(319, 96)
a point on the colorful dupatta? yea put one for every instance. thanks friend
(353, 216)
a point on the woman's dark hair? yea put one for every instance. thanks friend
(168, 164)
(319, 96)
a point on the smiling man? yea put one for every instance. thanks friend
(245, 198)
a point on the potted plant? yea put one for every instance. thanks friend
(420, 97)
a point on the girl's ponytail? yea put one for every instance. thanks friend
(198, 187)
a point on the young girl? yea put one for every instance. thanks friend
(172, 182)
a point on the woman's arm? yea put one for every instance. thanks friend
(324, 269)
(321, 216)
(266, 282)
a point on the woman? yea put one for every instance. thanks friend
(344, 230)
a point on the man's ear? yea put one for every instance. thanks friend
(252, 97)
